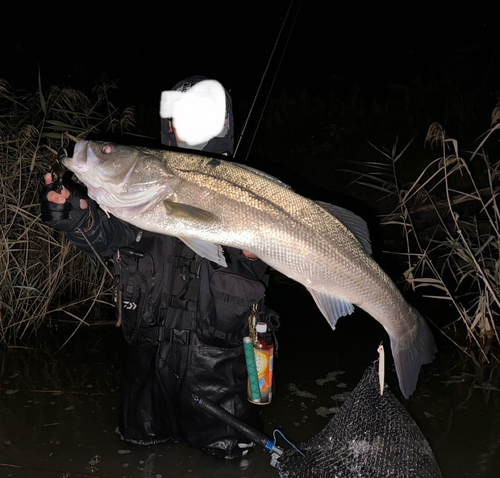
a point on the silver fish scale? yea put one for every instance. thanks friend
(291, 230)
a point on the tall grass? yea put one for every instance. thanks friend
(41, 274)
(448, 220)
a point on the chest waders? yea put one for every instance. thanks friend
(183, 320)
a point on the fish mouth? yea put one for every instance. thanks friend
(83, 158)
(81, 153)
(79, 159)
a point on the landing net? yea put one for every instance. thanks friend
(372, 435)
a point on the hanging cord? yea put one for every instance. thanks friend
(263, 77)
(279, 432)
(98, 256)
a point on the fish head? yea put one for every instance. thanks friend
(123, 180)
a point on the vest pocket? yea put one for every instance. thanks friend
(134, 274)
(223, 311)
(133, 298)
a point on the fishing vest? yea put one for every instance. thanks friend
(162, 286)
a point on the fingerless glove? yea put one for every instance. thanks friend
(64, 217)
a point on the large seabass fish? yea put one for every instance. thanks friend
(207, 202)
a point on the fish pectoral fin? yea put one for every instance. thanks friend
(331, 307)
(186, 211)
(212, 252)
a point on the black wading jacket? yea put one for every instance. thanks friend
(183, 319)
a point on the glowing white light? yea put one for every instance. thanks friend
(198, 114)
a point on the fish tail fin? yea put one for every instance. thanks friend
(417, 348)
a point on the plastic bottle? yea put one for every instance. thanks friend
(253, 390)
(264, 355)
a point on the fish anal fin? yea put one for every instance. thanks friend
(212, 252)
(331, 307)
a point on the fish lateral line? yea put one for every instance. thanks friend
(252, 197)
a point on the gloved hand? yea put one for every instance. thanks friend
(66, 210)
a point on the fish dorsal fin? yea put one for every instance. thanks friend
(186, 211)
(353, 222)
(212, 252)
(331, 307)
(258, 172)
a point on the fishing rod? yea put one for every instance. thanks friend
(264, 76)
(251, 433)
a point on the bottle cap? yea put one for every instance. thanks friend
(261, 327)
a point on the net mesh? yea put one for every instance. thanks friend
(371, 436)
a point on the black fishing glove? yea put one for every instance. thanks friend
(64, 217)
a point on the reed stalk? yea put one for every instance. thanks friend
(42, 276)
(449, 221)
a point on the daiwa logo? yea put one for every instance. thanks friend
(129, 305)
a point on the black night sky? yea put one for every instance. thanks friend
(147, 47)
(343, 75)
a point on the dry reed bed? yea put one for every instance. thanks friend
(41, 274)
(448, 220)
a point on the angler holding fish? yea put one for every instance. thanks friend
(211, 204)
(181, 315)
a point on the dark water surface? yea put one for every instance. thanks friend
(58, 411)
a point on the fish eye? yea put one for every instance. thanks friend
(109, 148)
